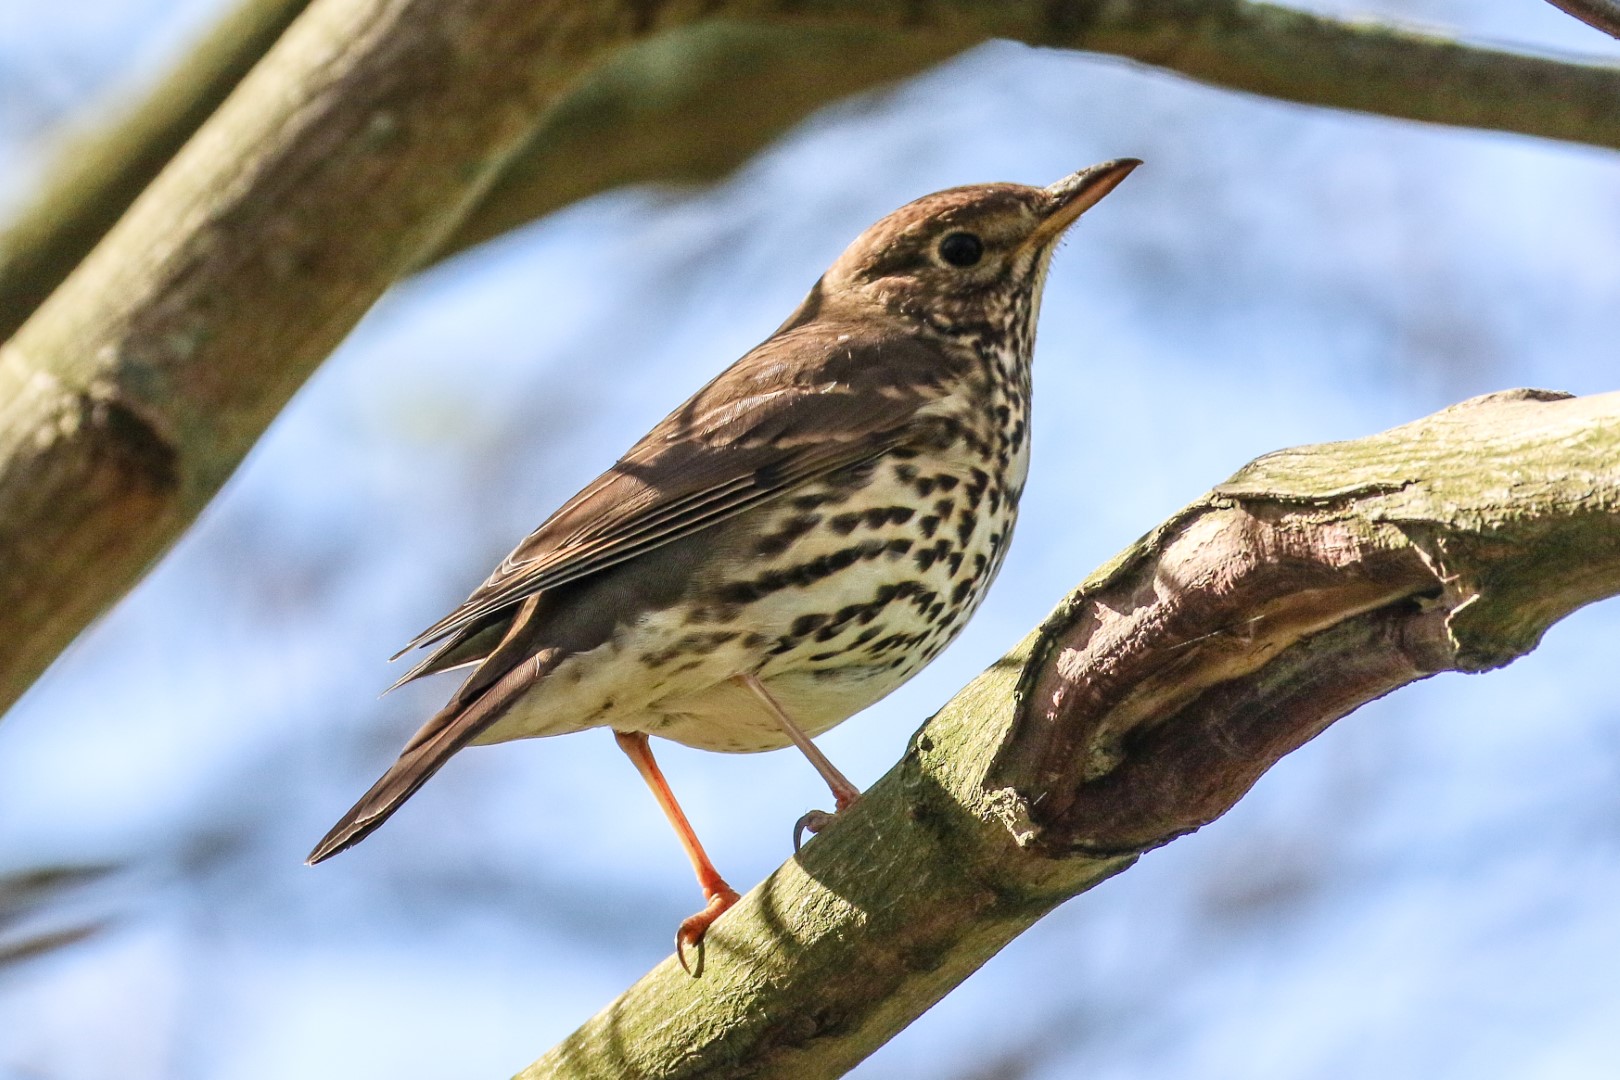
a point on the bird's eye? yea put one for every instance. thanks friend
(961, 249)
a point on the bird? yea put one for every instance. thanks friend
(791, 544)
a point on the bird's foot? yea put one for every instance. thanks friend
(694, 927)
(816, 820)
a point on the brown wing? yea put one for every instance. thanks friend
(809, 401)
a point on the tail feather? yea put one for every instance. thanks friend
(470, 646)
(423, 758)
(451, 728)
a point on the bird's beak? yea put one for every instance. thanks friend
(1076, 193)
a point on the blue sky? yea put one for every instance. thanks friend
(1425, 891)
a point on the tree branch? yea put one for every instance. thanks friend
(97, 176)
(688, 107)
(1380, 68)
(692, 105)
(1313, 581)
(707, 86)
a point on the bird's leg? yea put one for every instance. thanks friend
(719, 895)
(845, 794)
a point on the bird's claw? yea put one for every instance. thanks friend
(813, 822)
(694, 928)
(696, 944)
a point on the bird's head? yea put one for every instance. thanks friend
(967, 257)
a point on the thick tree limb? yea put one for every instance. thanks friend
(1313, 581)
(345, 157)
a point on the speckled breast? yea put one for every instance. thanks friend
(846, 588)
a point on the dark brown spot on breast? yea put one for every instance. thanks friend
(779, 541)
(879, 516)
(976, 487)
(806, 624)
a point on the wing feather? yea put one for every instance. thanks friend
(789, 412)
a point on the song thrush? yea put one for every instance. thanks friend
(791, 544)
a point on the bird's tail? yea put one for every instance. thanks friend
(416, 764)
(451, 728)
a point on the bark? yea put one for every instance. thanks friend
(1313, 581)
(352, 150)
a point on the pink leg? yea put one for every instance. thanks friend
(845, 794)
(719, 895)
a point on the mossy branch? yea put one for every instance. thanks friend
(1152, 699)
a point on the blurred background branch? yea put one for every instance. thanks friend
(691, 105)
(1314, 581)
(31, 917)
(100, 172)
